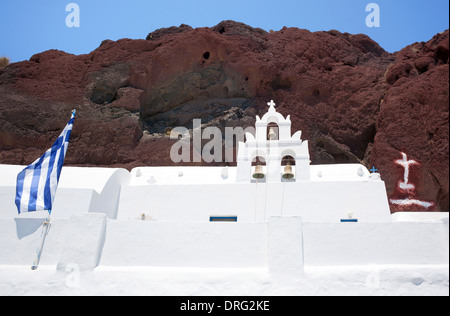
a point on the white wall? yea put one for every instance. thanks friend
(84, 241)
(77, 240)
(107, 199)
(8, 207)
(88, 239)
(8, 178)
(203, 192)
(19, 240)
(283, 244)
(80, 190)
(313, 201)
(196, 202)
(332, 201)
(376, 243)
(185, 244)
(67, 201)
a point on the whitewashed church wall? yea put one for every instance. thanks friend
(331, 244)
(67, 201)
(78, 240)
(185, 244)
(313, 201)
(8, 207)
(333, 201)
(107, 200)
(281, 244)
(20, 238)
(80, 190)
(195, 202)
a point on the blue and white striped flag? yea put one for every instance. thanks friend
(37, 183)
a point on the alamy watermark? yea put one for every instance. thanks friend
(73, 277)
(373, 19)
(217, 149)
(73, 18)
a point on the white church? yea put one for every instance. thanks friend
(273, 177)
(274, 211)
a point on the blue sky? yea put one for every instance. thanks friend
(28, 27)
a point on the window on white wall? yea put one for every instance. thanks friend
(223, 218)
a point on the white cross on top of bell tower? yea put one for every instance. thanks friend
(271, 105)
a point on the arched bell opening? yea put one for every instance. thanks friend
(259, 169)
(272, 131)
(288, 168)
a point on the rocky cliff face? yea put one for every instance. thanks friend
(352, 100)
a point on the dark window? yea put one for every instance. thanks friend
(223, 219)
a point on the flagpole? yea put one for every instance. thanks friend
(45, 229)
(37, 183)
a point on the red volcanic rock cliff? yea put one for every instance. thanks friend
(352, 100)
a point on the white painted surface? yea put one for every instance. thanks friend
(152, 258)
(80, 190)
(285, 246)
(315, 201)
(85, 237)
(185, 244)
(376, 243)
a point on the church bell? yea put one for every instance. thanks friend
(272, 134)
(258, 174)
(288, 172)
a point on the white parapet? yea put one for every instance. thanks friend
(80, 189)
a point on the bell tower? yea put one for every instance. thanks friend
(286, 156)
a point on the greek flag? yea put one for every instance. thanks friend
(37, 183)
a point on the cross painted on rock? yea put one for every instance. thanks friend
(373, 169)
(405, 163)
(408, 188)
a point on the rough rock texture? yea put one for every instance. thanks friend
(413, 119)
(352, 100)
